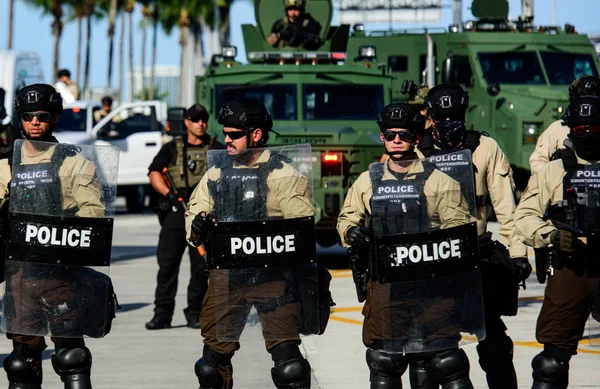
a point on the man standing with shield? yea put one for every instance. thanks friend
(256, 203)
(424, 287)
(59, 242)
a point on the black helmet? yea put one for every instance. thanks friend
(246, 114)
(447, 99)
(401, 115)
(585, 85)
(294, 4)
(38, 97)
(583, 111)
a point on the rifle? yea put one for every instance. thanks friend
(358, 265)
(172, 188)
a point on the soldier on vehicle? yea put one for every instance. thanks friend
(249, 183)
(185, 160)
(436, 203)
(558, 208)
(555, 137)
(502, 270)
(67, 88)
(296, 29)
(50, 177)
(100, 114)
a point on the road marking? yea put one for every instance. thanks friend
(341, 273)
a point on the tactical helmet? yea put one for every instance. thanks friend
(197, 112)
(583, 111)
(401, 115)
(246, 114)
(585, 85)
(38, 97)
(447, 99)
(294, 3)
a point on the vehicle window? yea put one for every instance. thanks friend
(463, 70)
(72, 119)
(563, 68)
(398, 63)
(132, 120)
(342, 102)
(511, 68)
(280, 99)
(27, 71)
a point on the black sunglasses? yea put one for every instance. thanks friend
(44, 117)
(234, 135)
(405, 136)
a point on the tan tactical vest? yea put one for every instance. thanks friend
(195, 166)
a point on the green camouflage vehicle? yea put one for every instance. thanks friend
(517, 74)
(329, 98)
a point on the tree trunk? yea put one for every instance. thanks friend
(79, 41)
(224, 29)
(199, 47)
(143, 94)
(86, 71)
(121, 56)
(182, 63)
(154, 45)
(112, 16)
(56, 33)
(9, 37)
(131, 82)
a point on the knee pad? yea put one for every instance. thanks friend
(551, 368)
(206, 369)
(24, 368)
(74, 366)
(291, 370)
(495, 351)
(386, 368)
(449, 366)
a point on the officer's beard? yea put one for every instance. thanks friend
(396, 156)
(46, 137)
(587, 146)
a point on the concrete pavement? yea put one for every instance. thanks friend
(132, 357)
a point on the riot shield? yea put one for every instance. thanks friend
(428, 291)
(262, 250)
(59, 241)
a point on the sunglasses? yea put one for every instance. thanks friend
(234, 135)
(44, 117)
(405, 136)
(581, 130)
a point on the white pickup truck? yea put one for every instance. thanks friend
(135, 128)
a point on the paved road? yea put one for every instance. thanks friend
(132, 357)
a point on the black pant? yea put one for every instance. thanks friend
(171, 246)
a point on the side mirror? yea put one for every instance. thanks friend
(493, 89)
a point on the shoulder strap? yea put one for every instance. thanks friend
(376, 173)
(471, 140)
(426, 145)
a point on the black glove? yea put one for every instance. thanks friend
(359, 237)
(565, 241)
(173, 199)
(201, 226)
(521, 268)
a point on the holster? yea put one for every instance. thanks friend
(161, 209)
(542, 261)
(359, 267)
(314, 292)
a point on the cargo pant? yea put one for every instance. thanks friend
(225, 311)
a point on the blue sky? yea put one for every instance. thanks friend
(32, 32)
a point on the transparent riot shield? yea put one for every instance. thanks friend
(428, 294)
(59, 241)
(262, 250)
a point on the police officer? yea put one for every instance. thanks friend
(494, 187)
(555, 190)
(399, 123)
(6, 135)
(553, 138)
(38, 107)
(296, 29)
(246, 124)
(184, 158)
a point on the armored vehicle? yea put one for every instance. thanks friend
(328, 97)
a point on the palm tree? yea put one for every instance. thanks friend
(155, 15)
(129, 8)
(11, 4)
(146, 12)
(77, 11)
(90, 12)
(121, 52)
(112, 17)
(54, 8)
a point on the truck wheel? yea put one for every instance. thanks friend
(134, 199)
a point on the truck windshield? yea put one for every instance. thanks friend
(280, 98)
(511, 68)
(72, 119)
(342, 102)
(563, 68)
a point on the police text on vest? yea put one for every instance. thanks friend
(428, 252)
(54, 236)
(263, 244)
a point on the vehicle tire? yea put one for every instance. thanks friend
(134, 199)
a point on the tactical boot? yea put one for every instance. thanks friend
(158, 323)
(192, 318)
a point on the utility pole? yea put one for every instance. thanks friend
(457, 13)
(554, 12)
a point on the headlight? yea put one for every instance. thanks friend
(367, 52)
(531, 131)
(229, 52)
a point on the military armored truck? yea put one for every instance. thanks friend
(517, 74)
(329, 97)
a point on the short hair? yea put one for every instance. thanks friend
(107, 100)
(64, 73)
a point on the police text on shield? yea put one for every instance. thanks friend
(428, 252)
(252, 245)
(54, 236)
